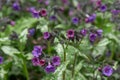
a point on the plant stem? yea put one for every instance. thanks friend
(73, 70)
(49, 50)
(25, 70)
(64, 60)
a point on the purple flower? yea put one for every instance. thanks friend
(35, 14)
(99, 32)
(50, 68)
(107, 70)
(65, 1)
(90, 18)
(56, 60)
(70, 34)
(115, 12)
(12, 23)
(31, 9)
(37, 51)
(75, 20)
(35, 61)
(83, 32)
(92, 37)
(53, 18)
(46, 35)
(16, 6)
(43, 12)
(103, 8)
(31, 32)
(47, 2)
(1, 59)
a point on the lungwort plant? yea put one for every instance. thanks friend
(59, 40)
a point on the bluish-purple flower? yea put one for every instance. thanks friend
(56, 60)
(46, 35)
(70, 34)
(115, 12)
(92, 37)
(103, 8)
(50, 68)
(91, 18)
(31, 32)
(75, 20)
(16, 6)
(37, 51)
(99, 32)
(35, 61)
(31, 9)
(35, 14)
(83, 32)
(53, 18)
(107, 70)
(1, 59)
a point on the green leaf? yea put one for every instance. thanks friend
(9, 50)
(100, 47)
(103, 42)
(60, 70)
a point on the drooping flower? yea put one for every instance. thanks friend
(99, 32)
(16, 6)
(92, 37)
(107, 70)
(103, 8)
(31, 9)
(75, 20)
(56, 60)
(42, 62)
(50, 68)
(115, 12)
(31, 32)
(43, 12)
(83, 32)
(37, 51)
(90, 18)
(1, 59)
(70, 34)
(53, 18)
(35, 61)
(35, 14)
(46, 35)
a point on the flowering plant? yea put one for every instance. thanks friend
(59, 40)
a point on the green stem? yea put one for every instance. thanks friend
(49, 50)
(73, 70)
(25, 70)
(64, 60)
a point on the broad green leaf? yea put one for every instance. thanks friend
(103, 42)
(9, 50)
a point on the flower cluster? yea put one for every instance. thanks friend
(38, 13)
(95, 35)
(49, 64)
(78, 35)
